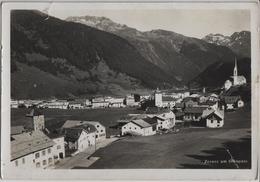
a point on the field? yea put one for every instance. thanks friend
(55, 118)
(191, 148)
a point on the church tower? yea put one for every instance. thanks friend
(235, 74)
(158, 98)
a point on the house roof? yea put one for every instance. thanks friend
(75, 102)
(72, 134)
(157, 110)
(141, 123)
(73, 123)
(27, 143)
(231, 99)
(195, 110)
(168, 98)
(180, 105)
(210, 112)
(17, 130)
(188, 99)
(151, 121)
(53, 134)
(208, 102)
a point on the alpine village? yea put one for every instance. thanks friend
(165, 126)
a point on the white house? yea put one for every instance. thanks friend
(116, 102)
(80, 138)
(213, 118)
(58, 148)
(233, 102)
(56, 104)
(100, 130)
(75, 105)
(32, 150)
(227, 84)
(99, 102)
(138, 127)
(164, 123)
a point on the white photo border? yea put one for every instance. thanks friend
(126, 174)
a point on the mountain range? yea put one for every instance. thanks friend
(94, 55)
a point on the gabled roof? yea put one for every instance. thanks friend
(141, 123)
(72, 134)
(27, 143)
(151, 121)
(73, 123)
(210, 112)
(17, 130)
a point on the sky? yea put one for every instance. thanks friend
(189, 22)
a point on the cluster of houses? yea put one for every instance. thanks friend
(132, 100)
(35, 146)
(154, 120)
(169, 109)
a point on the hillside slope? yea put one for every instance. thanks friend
(89, 60)
(182, 57)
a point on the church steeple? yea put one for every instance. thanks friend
(235, 68)
(235, 80)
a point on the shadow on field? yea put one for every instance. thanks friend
(221, 157)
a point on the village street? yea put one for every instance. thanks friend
(190, 148)
(83, 159)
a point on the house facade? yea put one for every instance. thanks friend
(213, 118)
(138, 127)
(32, 150)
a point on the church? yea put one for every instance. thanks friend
(236, 79)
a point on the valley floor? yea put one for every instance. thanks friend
(190, 148)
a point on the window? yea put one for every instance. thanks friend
(96, 136)
(43, 152)
(50, 160)
(58, 147)
(124, 127)
(38, 164)
(37, 155)
(212, 121)
(101, 131)
(97, 126)
(129, 128)
(218, 122)
(16, 163)
(44, 162)
(23, 160)
(49, 150)
(135, 128)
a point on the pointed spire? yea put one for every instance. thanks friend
(235, 68)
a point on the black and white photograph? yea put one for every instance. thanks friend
(130, 88)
